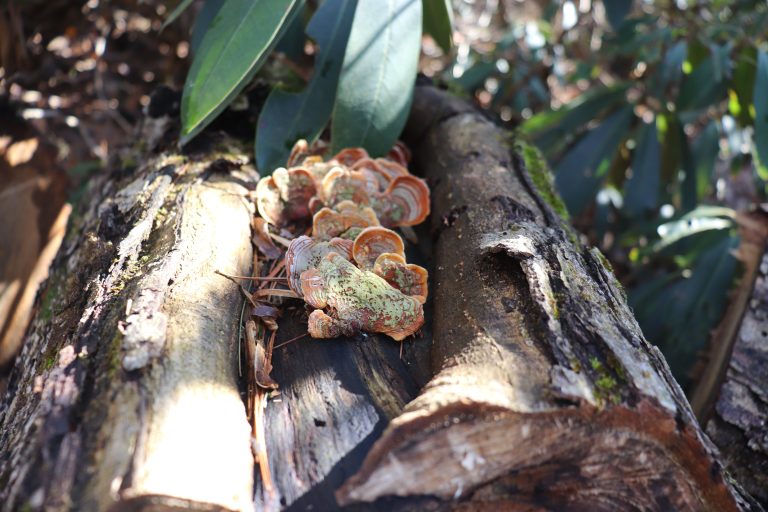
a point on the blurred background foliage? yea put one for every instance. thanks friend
(654, 119)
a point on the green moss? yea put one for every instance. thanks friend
(606, 386)
(603, 259)
(541, 176)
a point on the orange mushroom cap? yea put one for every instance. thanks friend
(349, 156)
(329, 223)
(374, 241)
(400, 154)
(268, 201)
(344, 185)
(404, 203)
(408, 278)
(304, 253)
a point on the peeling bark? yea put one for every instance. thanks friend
(547, 394)
(740, 416)
(125, 396)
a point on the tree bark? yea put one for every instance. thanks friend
(125, 396)
(736, 420)
(547, 395)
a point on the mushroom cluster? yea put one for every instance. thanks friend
(352, 268)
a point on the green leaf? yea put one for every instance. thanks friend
(705, 86)
(743, 83)
(438, 22)
(204, 20)
(616, 11)
(176, 12)
(378, 75)
(695, 307)
(580, 173)
(293, 39)
(760, 98)
(233, 49)
(672, 65)
(705, 150)
(287, 117)
(641, 191)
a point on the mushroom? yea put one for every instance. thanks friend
(408, 278)
(392, 169)
(349, 156)
(284, 196)
(304, 253)
(400, 154)
(344, 220)
(299, 152)
(404, 203)
(356, 300)
(374, 241)
(342, 184)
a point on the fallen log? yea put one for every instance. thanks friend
(546, 393)
(733, 403)
(125, 395)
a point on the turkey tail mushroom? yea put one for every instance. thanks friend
(400, 154)
(304, 254)
(373, 242)
(344, 185)
(346, 220)
(404, 203)
(408, 278)
(285, 196)
(350, 156)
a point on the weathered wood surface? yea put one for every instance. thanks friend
(125, 396)
(546, 393)
(738, 424)
(336, 397)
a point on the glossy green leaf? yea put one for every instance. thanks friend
(617, 10)
(760, 97)
(672, 66)
(204, 20)
(677, 312)
(580, 173)
(176, 12)
(438, 22)
(233, 48)
(701, 89)
(293, 40)
(377, 78)
(705, 150)
(743, 83)
(641, 191)
(287, 117)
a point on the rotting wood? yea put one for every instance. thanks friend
(547, 394)
(125, 396)
(737, 423)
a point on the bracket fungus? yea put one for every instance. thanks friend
(352, 268)
(357, 300)
(284, 196)
(345, 220)
(305, 253)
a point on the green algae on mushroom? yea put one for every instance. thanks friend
(356, 300)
